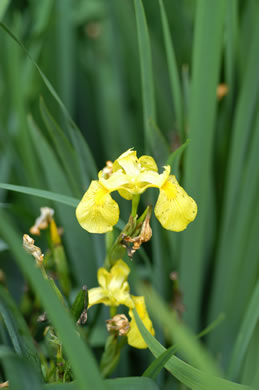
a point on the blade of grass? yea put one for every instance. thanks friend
(249, 369)
(238, 243)
(63, 148)
(247, 104)
(3, 7)
(185, 373)
(79, 142)
(245, 333)
(187, 343)
(67, 200)
(18, 331)
(80, 357)
(173, 72)
(197, 169)
(65, 56)
(20, 373)
(147, 85)
(156, 366)
(79, 242)
(130, 383)
(175, 157)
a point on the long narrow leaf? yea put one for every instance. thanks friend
(67, 200)
(185, 373)
(76, 136)
(147, 84)
(187, 343)
(245, 333)
(80, 357)
(18, 331)
(173, 71)
(20, 373)
(198, 165)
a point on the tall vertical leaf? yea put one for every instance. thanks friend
(198, 168)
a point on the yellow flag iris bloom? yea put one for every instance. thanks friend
(114, 291)
(114, 287)
(97, 212)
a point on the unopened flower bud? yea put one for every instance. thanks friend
(118, 324)
(145, 233)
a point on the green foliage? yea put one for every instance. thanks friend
(80, 83)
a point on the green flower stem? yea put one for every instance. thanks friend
(135, 203)
(117, 251)
(113, 311)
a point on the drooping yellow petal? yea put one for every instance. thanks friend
(174, 209)
(97, 212)
(134, 336)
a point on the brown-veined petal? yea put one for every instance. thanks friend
(174, 209)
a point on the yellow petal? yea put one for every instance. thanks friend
(134, 336)
(122, 296)
(115, 181)
(96, 295)
(175, 209)
(154, 179)
(103, 277)
(128, 161)
(125, 194)
(119, 273)
(148, 163)
(115, 277)
(97, 212)
(114, 285)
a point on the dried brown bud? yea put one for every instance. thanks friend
(173, 275)
(4, 385)
(177, 301)
(222, 90)
(35, 251)
(2, 276)
(93, 30)
(107, 170)
(42, 317)
(83, 318)
(42, 222)
(144, 236)
(118, 324)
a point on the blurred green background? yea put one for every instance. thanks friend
(123, 93)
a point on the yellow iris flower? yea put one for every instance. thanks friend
(114, 287)
(97, 212)
(114, 291)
